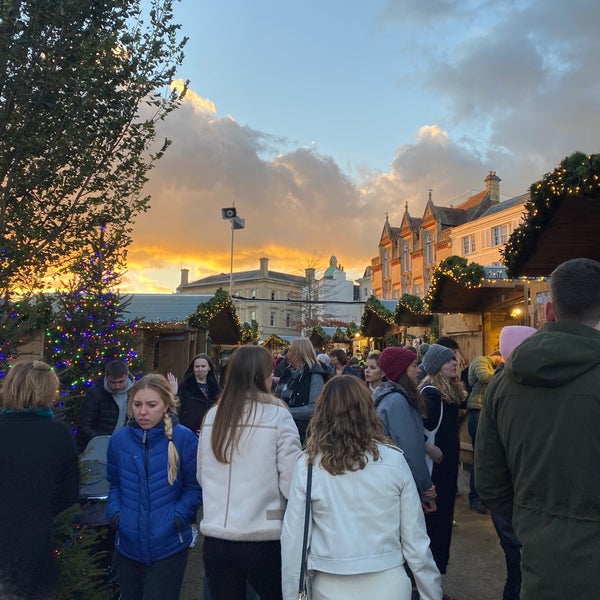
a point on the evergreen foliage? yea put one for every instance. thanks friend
(83, 84)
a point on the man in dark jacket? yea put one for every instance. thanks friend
(538, 442)
(104, 408)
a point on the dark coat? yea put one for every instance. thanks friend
(98, 414)
(193, 403)
(39, 475)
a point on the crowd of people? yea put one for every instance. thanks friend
(309, 472)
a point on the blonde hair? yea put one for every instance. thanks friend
(345, 427)
(159, 384)
(30, 383)
(452, 390)
(303, 351)
(248, 369)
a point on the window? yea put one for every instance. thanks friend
(499, 235)
(252, 315)
(272, 294)
(272, 319)
(468, 244)
(405, 256)
(428, 249)
(253, 294)
(288, 319)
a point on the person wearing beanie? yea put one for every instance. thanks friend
(400, 408)
(443, 393)
(511, 336)
(436, 357)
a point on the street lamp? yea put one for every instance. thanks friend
(230, 214)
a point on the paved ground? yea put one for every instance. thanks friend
(476, 570)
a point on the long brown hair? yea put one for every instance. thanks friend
(413, 394)
(248, 369)
(345, 427)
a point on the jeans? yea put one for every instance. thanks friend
(228, 565)
(472, 423)
(159, 581)
(512, 554)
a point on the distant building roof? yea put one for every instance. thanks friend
(163, 308)
(506, 204)
(223, 279)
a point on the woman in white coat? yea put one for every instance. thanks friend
(366, 518)
(246, 454)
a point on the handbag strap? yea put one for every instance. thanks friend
(306, 523)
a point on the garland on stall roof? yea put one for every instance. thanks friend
(339, 336)
(249, 333)
(352, 329)
(456, 268)
(374, 307)
(318, 332)
(207, 311)
(410, 310)
(578, 176)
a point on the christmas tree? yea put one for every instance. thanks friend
(90, 330)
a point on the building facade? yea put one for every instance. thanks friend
(408, 254)
(340, 297)
(274, 300)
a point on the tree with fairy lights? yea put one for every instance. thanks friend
(90, 330)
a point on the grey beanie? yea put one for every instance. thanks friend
(435, 357)
(422, 351)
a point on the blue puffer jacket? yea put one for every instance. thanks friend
(154, 517)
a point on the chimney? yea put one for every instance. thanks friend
(310, 274)
(492, 185)
(185, 274)
(264, 267)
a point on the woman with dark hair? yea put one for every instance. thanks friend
(443, 393)
(301, 383)
(365, 515)
(401, 409)
(374, 376)
(154, 495)
(247, 450)
(339, 360)
(198, 391)
(40, 478)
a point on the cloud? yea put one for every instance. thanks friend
(519, 87)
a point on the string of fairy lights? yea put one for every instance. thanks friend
(576, 176)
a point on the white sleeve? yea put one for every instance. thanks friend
(415, 541)
(288, 449)
(292, 532)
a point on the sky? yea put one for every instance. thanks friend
(316, 119)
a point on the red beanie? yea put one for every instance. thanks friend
(394, 361)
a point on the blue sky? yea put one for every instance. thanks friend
(318, 118)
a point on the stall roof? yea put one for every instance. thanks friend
(176, 308)
(573, 232)
(455, 297)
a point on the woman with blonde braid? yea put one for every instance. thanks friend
(154, 494)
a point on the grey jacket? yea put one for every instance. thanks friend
(404, 424)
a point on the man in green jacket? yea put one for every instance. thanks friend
(538, 444)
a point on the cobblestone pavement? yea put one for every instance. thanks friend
(476, 570)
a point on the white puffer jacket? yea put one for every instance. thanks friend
(245, 499)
